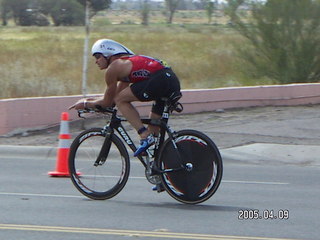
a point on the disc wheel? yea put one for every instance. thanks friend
(202, 176)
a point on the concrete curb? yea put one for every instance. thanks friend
(273, 154)
(27, 151)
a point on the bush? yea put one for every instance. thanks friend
(30, 18)
(67, 13)
(284, 39)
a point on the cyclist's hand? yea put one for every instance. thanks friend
(79, 105)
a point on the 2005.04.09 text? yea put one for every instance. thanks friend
(252, 214)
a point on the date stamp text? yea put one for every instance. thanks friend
(255, 214)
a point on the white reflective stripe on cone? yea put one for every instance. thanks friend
(64, 143)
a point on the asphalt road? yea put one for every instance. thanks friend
(271, 167)
(35, 206)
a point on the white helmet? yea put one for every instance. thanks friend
(108, 47)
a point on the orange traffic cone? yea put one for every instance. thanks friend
(62, 169)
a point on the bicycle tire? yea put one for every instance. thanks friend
(105, 180)
(200, 183)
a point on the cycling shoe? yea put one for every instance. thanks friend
(144, 145)
(159, 188)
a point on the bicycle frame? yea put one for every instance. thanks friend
(116, 123)
(187, 163)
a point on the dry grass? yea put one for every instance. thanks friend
(156, 17)
(47, 61)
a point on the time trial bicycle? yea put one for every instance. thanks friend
(186, 163)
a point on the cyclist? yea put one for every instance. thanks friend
(130, 78)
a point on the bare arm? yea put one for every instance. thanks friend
(117, 70)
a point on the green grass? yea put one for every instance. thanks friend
(47, 61)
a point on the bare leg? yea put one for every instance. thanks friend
(123, 102)
(154, 129)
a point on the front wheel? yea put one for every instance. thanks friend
(201, 174)
(95, 178)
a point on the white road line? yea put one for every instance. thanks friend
(39, 195)
(235, 181)
(74, 196)
(255, 182)
(224, 181)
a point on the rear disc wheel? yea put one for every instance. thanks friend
(202, 162)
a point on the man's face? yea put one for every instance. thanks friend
(101, 61)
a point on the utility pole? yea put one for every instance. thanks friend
(85, 50)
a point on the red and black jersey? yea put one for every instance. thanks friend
(143, 67)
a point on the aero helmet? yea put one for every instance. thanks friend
(108, 47)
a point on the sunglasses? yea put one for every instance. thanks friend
(98, 55)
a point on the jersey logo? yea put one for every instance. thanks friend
(141, 73)
(145, 95)
(165, 64)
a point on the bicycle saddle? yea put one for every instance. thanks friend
(172, 101)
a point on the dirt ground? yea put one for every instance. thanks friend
(228, 128)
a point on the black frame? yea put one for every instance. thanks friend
(116, 123)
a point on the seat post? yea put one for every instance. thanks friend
(166, 111)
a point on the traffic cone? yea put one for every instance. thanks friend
(62, 168)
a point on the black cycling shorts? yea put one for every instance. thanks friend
(160, 84)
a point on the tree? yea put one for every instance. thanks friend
(209, 10)
(18, 9)
(145, 10)
(284, 38)
(4, 11)
(24, 12)
(67, 12)
(172, 7)
(35, 12)
(96, 5)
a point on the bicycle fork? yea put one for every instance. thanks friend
(104, 152)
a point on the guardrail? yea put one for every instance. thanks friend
(22, 114)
